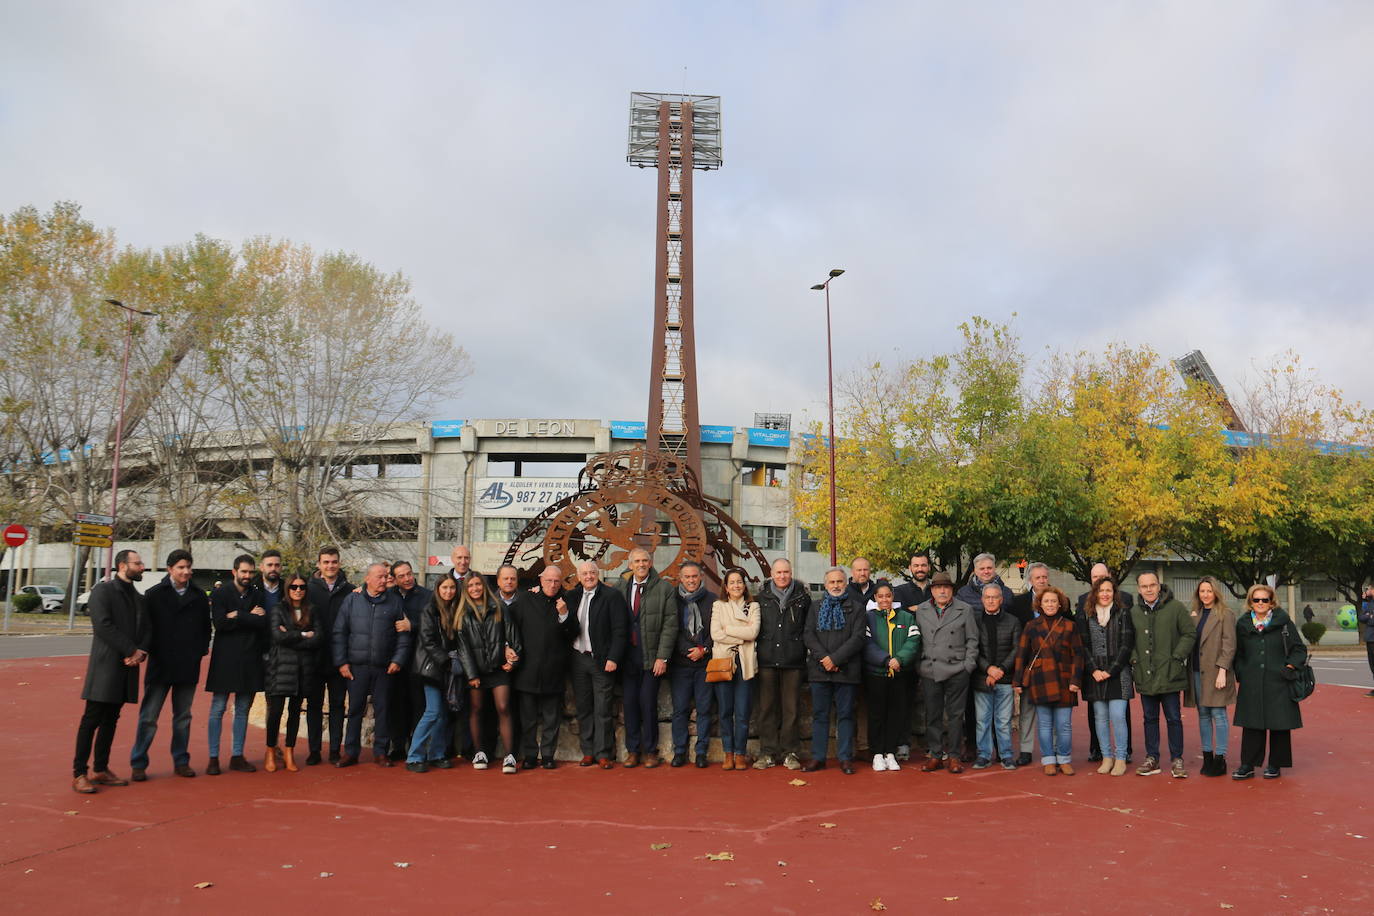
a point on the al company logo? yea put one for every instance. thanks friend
(495, 496)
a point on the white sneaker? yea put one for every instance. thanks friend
(892, 763)
(791, 762)
(508, 765)
(479, 760)
(879, 764)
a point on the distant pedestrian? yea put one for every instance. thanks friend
(119, 644)
(1367, 618)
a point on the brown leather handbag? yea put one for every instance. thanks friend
(720, 669)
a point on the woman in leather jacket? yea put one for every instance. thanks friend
(435, 648)
(488, 652)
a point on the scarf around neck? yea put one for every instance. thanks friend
(831, 616)
(691, 610)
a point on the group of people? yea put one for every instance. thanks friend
(448, 670)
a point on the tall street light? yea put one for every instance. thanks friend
(119, 427)
(830, 381)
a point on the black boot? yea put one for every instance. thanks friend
(1208, 768)
(1218, 764)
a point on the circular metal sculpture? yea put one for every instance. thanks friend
(635, 498)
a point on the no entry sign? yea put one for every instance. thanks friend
(16, 535)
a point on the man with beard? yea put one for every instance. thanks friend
(687, 674)
(327, 591)
(911, 595)
(119, 622)
(269, 579)
(236, 660)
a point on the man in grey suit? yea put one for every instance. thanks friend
(949, 653)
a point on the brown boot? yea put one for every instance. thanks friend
(742, 762)
(729, 763)
(269, 760)
(288, 756)
(83, 785)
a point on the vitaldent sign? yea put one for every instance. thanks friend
(520, 497)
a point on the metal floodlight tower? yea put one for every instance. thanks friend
(675, 134)
(1193, 366)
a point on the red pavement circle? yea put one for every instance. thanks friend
(16, 535)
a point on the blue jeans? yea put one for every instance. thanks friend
(823, 694)
(242, 703)
(993, 710)
(1056, 733)
(431, 732)
(1150, 705)
(690, 690)
(154, 696)
(1211, 719)
(1110, 716)
(736, 700)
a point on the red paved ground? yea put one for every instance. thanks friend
(580, 839)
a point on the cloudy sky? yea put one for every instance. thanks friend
(1196, 175)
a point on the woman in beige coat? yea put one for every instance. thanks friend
(734, 631)
(1211, 683)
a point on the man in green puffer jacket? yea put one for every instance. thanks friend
(1164, 638)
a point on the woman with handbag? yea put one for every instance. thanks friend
(1211, 685)
(434, 650)
(734, 631)
(1108, 637)
(1049, 668)
(1269, 652)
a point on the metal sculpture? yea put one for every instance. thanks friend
(637, 497)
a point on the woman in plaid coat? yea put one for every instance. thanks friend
(1049, 668)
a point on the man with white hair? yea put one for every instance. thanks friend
(603, 623)
(368, 649)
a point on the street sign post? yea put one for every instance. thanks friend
(89, 530)
(14, 536)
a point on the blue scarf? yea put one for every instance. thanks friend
(831, 616)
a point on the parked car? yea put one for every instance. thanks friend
(150, 578)
(51, 596)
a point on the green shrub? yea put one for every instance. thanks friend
(27, 604)
(1312, 631)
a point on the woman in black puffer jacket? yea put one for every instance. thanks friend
(483, 639)
(292, 670)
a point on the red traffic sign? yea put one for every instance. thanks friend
(16, 535)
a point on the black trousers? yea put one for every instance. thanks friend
(407, 704)
(945, 704)
(97, 726)
(889, 711)
(1252, 742)
(538, 723)
(336, 689)
(275, 706)
(368, 681)
(594, 691)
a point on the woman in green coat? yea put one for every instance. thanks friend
(1269, 650)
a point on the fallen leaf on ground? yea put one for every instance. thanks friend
(401, 864)
(721, 856)
(1124, 810)
(877, 904)
(68, 812)
(827, 825)
(288, 866)
(203, 885)
(731, 884)
(326, 874)
(951, 898)
(796, 782)
(23, 683)
(657, 846)
(781, 864)
(1228, 906)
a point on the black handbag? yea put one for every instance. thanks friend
(1304, 682)
(456, 689)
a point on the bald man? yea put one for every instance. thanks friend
(603, 622)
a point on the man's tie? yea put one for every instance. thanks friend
(634, 631)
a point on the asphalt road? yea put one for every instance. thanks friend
(1345, 672)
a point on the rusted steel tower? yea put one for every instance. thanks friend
(675, 134)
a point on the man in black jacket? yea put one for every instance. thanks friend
(369, 648)
(119, 622)
(783, 604)
(179, 616)
(687, 673)
(999, 634)
(326, 592)
(861, 584)
(236, 660)
(603, 621)
(546, 629)
(407, 700)
(835, 627)
(917, 591)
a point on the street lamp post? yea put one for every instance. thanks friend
(119, 424)
(830, 382)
